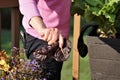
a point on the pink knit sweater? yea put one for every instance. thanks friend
(55, 13)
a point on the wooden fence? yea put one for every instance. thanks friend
(15, 23)
(15, 20)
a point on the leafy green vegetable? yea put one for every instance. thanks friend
(78, 7)
(103, 12)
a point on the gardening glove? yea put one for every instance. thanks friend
(54, 51)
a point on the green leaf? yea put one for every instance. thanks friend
(76, 9)
(104, 12)
(94, 2)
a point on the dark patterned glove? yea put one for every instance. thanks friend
(62, 54)
(59, 54)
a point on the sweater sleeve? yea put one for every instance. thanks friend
(28, 8)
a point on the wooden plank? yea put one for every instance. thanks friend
(75, 72)
(108, 48)
(15, 17)
(0, 30)
(105, 66)
(8, 3)
(104, 56)
(103, 69)
(103, 41)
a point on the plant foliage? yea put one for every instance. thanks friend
(103, 12)
(17, 67)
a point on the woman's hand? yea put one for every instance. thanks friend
(50, 35)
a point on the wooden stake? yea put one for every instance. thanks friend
(15, 17)
(76, 60)
(0, 30)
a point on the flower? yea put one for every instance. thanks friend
(3, 65)
(3, 58)
(15, 67)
